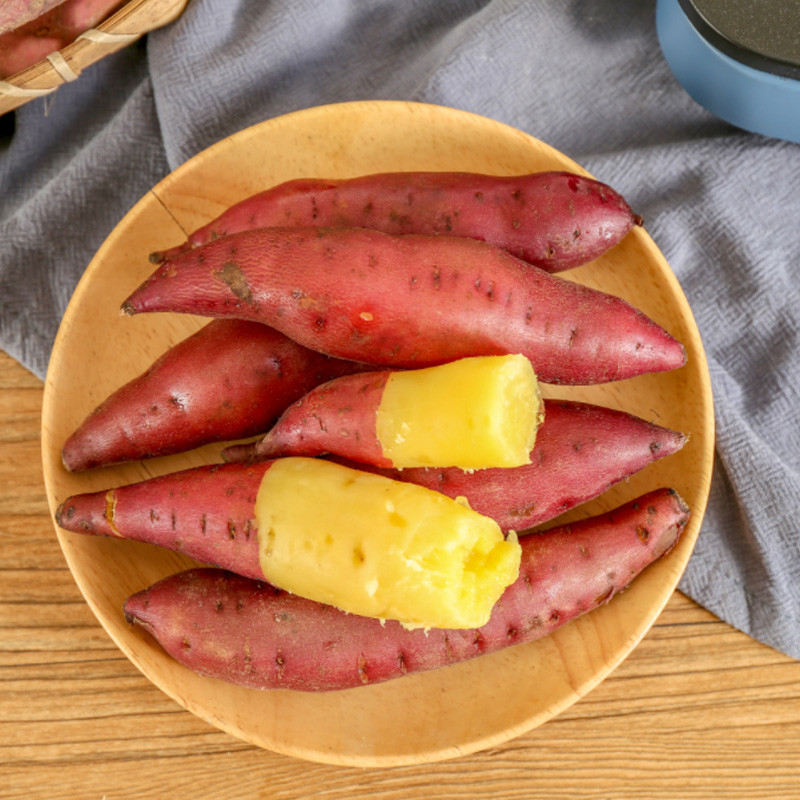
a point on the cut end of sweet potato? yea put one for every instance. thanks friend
(676, 356)
(667, 442)
(471, 413)
(670, 536)
(660, 504)
(90, 513)
(135, 609)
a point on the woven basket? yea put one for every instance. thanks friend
(125, 26)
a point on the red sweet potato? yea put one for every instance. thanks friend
(554, 220)
(410, 301)
(28, 43)
(336, 417)
(581, 451)
(248, 633)
(230, 380)
(16, 13)
(208, 512)
(471, 413)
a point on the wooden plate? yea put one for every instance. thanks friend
(428, 717)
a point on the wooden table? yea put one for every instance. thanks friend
(698, 710)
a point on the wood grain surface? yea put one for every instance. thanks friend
(697, 711)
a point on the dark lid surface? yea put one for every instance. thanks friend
(763, 34)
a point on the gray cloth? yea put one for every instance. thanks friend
(585, 76)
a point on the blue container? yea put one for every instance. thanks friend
(740, 59)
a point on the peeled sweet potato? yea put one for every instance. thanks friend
(54, 28)
(208, 512)
(410, 301)
(378, 547)
(471, 413)
(554, 220)
(230, 380)
(248, 633)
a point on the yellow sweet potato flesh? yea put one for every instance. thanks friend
(472, 413)
(380, 548)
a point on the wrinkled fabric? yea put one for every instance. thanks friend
(585, 76)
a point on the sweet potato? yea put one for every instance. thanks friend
(378, 547)
(230, 380)
(208, 512)
(248, 633)
(410, 301)
(28, 43)
(16, 13)
(400, 550)
(471, 413)
(554, 220)
(581, 451)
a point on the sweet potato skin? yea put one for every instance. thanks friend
(20, 49)
(205, 512)
(52, 29)
(337, 416)
(230, 380)
(581, 451)
(555, 220)
(16, 13)
(249, 633)
(410, 301)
